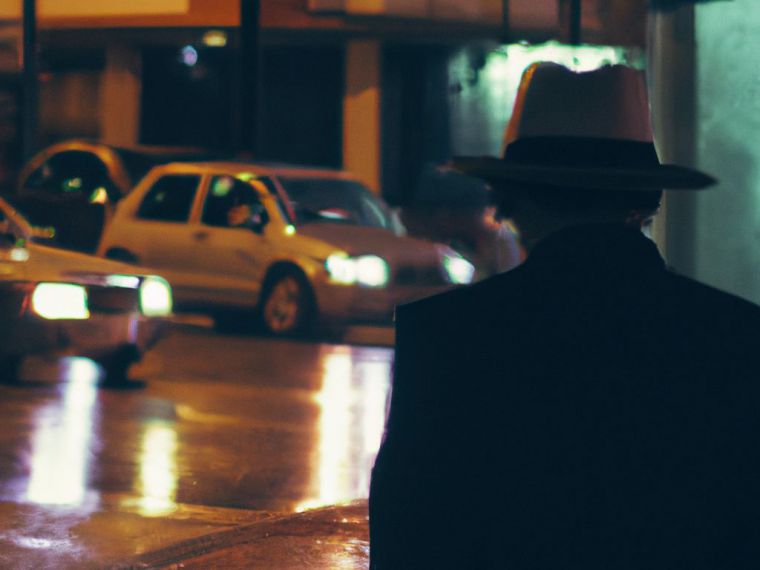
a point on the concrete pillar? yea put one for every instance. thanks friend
(120, 89)
(672, 92)
(361, 112)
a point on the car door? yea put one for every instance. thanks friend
(163, 234)
(230, 241)
(12, 257)
(69, 191)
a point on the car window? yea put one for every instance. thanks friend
(8, 230)
(287, 213)
(230, 202)
(330, 200)
(5, 228)
(73, 172)
(170, 198)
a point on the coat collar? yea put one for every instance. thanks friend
(597, 247)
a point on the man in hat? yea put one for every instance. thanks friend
(588, 409)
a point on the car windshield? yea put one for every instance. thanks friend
(330, 200)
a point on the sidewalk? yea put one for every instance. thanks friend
(333, 538)
(33, 538)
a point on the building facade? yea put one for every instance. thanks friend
(367, 85)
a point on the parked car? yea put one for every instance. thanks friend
(298, 245)
(58, 303)
(74, 185)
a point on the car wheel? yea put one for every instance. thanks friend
(10, 366)
(287, 307)
(116, 366)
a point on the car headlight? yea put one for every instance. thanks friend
(60, 301)
(458, 269)
(364, 270)
(155, 297)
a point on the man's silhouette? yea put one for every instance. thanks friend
(589, 409)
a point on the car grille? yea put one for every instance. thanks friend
(416, 275)
(112, 299)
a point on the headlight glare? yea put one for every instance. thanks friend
(155, 297)
(372, 271)
(342, 269)
(60, 301)
(365, 270)
(459, 270)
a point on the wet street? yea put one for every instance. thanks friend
(214, 431)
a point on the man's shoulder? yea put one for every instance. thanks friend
(709, 299)
(463, 301)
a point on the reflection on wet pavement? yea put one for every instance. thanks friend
(352, 414)
(158, 470)
(61, 439)
(221, 424)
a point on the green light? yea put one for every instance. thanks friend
(246, 176)
(222, 186)
(290, 230)
(72, 184)
(99, 196)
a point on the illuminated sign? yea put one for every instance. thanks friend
(11, 9)
(462, 10)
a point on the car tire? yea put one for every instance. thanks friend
(116, 366)
(287, 305)
(10, 367)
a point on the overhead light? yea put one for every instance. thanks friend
(188, 56)
(215, 38)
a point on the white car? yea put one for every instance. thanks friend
(297, 246)
(61, 303)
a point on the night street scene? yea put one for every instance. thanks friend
(379, 284)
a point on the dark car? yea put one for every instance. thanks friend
(59, 303)
(74, 185)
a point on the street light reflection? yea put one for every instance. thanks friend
(377, 374)
(352, 415)
(158, 470)
(61, 440)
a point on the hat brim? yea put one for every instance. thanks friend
(660, 177)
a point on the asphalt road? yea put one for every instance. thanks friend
(214, 431)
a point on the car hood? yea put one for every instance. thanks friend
(360, 240)
(53, 264)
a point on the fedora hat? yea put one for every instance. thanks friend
(582, 130)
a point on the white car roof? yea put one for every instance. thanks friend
(259, 169)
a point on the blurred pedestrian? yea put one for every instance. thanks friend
(589, 409)
(454, 209)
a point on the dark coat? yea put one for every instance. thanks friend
(589, 409)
